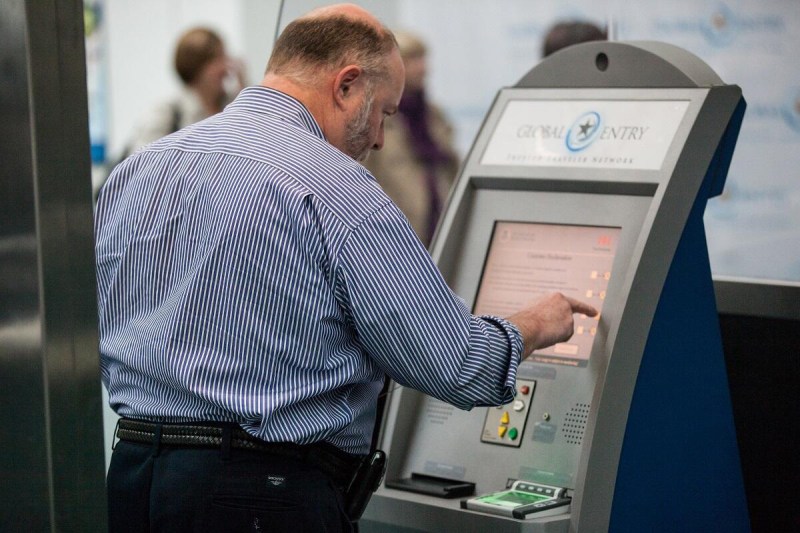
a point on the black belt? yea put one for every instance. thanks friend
(338, 465)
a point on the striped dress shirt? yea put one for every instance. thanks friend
(248, 271)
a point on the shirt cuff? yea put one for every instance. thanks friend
(515, 347)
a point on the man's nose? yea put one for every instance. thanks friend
(379, 140)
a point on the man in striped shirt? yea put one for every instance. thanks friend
(256, 286)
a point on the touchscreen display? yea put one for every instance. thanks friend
(526, 260)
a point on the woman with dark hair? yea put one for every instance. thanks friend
(204, 69)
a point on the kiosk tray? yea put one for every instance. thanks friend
(433, 486)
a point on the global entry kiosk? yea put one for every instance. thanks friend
(589, 177)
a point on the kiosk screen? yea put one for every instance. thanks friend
(526, 260)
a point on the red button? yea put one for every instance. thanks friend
(524, 389)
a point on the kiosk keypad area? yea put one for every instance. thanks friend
(506, 424)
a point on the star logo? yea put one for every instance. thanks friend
(584, 131)
(585, 128)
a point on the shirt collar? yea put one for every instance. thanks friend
(263, 100)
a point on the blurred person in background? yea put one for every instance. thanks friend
(567, 33)
(210, 80)
(418, 163)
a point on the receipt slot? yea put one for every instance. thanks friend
(589, 177)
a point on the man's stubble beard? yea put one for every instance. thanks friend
(357, 140)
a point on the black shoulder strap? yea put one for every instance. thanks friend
(176, 117)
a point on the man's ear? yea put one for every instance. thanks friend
(345, 83)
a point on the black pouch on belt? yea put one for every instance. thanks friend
(364, 483)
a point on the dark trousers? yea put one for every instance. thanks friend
(175, 489)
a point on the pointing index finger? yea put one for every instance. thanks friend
(581, 307)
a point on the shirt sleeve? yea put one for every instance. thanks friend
(412, 324)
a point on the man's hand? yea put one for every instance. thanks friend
(548, 321)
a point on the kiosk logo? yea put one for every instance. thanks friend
(583, 131)
(586, 133)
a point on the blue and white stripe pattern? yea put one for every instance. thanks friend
(249, 271)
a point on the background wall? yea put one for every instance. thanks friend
(754, 227)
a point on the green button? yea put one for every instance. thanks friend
(513, 433)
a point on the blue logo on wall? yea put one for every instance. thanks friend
(583, 131)
(721, 28)
(791, 110)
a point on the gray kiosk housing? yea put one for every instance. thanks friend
(590, 176)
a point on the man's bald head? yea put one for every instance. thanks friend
(329, 38)
(352, 11)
